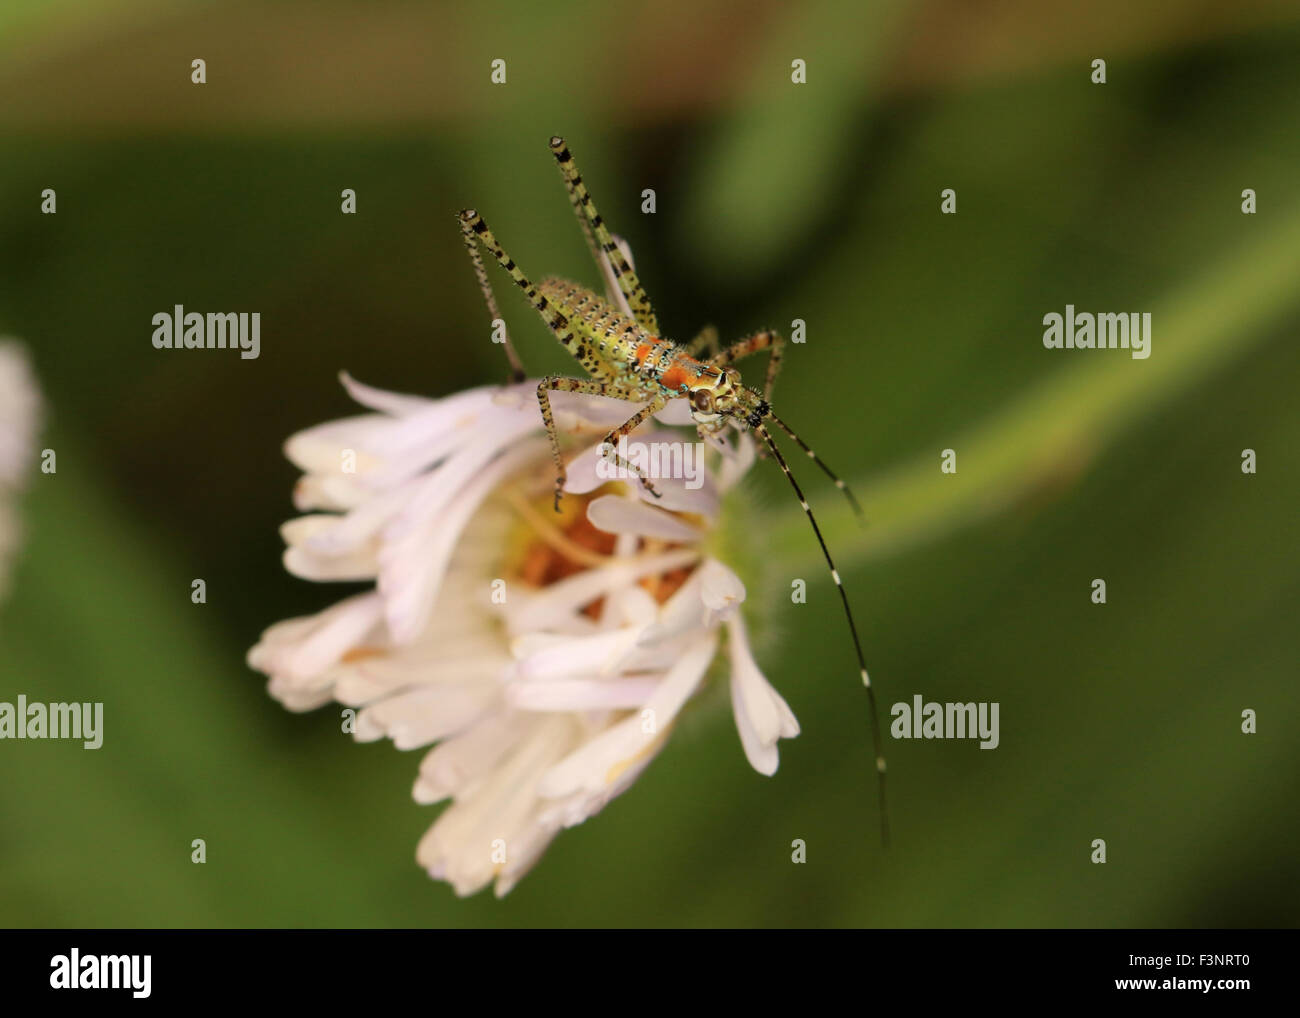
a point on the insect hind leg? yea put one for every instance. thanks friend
(476, 231)
(624, 274)
(517, 373)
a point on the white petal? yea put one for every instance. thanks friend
(677, 412)
(762, 715)
(581, 805)
(456, 762)
(682, 612)
(616, 515)
(557, 603)
(581, 473)
(303, 559)
(20, 411)
(600, 654)
(368, 678)
(525, 852)
(412, 569)
(302, 648)
(675, 495)
(600, 761)
(613, 292)
(631, 606)
(320, 449)
(329, 491)
(720, 589)
(359, 525)
(736, 465)
(425, 440)
(459, 846)
(294, 698)
(581, 694)
(529, 644)
(762, 756)
(394, 403)
(585, 413)
(590, 470)
(436, 488)
(423, 715)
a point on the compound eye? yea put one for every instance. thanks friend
(702, 400)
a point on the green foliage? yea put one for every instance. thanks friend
(1118, 721)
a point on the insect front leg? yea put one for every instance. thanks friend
(630, 425)
(589, 387)
(765, 340)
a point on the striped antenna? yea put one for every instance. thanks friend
(766, 436)
(839, 483)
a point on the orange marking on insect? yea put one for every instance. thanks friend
(674, 378)
(642, 352)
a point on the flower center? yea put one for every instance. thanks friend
(548, 547)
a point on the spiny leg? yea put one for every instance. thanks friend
(751, 345)
(475, 228)
(590, 387)
(576, 202)
(516, 366)
(839, 482)
(766, 436)
(626, 428)
(705, 342)
(548, 385)
(626, 278)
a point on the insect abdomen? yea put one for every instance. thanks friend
(601, 331)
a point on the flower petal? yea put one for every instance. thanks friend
(412, 568)
(762, 716)
(302, 648)
(720, 589)
(599, 762)
(616, 515)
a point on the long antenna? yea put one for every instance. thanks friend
(839, 483)
(764, 434)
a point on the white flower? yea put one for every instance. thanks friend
(547, 656)
(19, 413)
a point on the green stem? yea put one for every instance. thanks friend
(1046, 437)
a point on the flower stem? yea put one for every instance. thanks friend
(1045, 438)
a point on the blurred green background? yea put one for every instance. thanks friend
(775, 202)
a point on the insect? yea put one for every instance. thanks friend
(621, 347)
